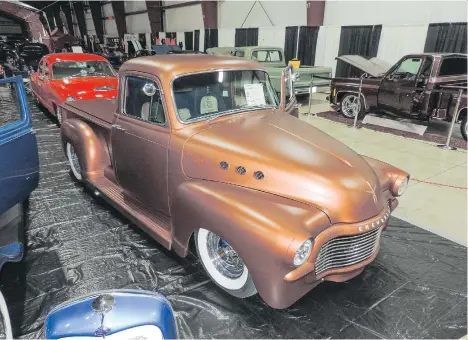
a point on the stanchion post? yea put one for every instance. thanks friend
(447, 146)
(310, 93)
(358, 105)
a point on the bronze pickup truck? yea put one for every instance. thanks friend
(199, 146)
(421, 86)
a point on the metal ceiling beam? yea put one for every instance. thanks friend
(118, 8)
(80, 17)
(315, 12)
(210, 14)
(155, 15)
(66, 8)
(96, 14)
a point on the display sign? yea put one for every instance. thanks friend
(254, 94)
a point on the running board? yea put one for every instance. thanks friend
(157, 226)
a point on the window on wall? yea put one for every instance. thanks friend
(290, 43)
(446, 37)
(196, 41)
(246, 37)
(359, 40)
(305, 48)
(211, 38)
(188, 37)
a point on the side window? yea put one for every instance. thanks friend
(10, 107)
(239, 53)
(408, 68)
(40, 67)
(453, 67)
(140, 104)
(46, 70)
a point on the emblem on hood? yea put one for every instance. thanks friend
(104, 88)
(102, 305)
(372, 191)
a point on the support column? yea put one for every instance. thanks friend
(155, 15)
(315, 12)
(118, 8)
(96, 14)
(66, 8)
(80, 17)
(56, 11)
(210, 13)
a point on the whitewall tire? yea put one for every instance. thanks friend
(74, 162)
(223, 264)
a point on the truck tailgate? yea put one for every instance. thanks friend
(102, 109)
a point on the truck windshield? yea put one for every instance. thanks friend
(75, 69)
(212, 94)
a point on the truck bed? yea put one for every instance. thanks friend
(99, 110)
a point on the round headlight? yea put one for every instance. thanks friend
(403, 186)
(302, 253)
(400, 186)
(70, 99)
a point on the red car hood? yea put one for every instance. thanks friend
(298, 161)
(87, 87)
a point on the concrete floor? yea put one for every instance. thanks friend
(439, 204)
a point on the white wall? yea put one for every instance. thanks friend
(271, 36)
(138, 23)
(409, 12)
(392, 47)
(183, 19)
(110, 27)
(232, 13)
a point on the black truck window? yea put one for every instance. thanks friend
(453, 67)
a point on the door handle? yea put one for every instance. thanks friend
(118, 127)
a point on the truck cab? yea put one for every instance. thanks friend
(273, 59)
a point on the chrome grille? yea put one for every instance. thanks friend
(345, 251)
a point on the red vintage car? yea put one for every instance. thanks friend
(63, 77)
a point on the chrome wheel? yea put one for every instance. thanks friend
(74, 162)
(223, 264)
(350, 106)
(224, 258)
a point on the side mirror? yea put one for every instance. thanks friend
(149, 89)
(287, 86)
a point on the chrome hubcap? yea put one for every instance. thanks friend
(74, 160)
(351, 106)
(224, 258)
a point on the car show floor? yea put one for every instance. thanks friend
(77, 244)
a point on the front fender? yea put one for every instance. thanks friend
(387, 174)
(264, 229)
(90, 148)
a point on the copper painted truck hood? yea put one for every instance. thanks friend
(298, 161)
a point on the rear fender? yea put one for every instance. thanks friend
(264, 229)
(91, 148)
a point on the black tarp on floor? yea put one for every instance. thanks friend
(417, 287)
